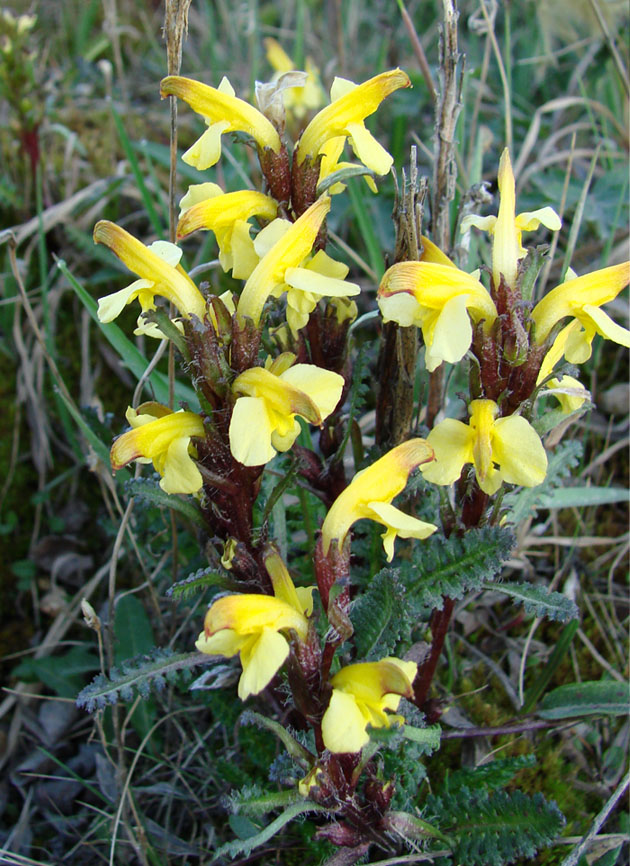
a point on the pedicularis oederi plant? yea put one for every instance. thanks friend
(337, 637)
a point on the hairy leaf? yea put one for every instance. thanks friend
(150, 490)
(136, 675)
(539, 601)
(451, 567)
(495, 829)
(198, 581)
(379, 616)
(493, 775)
(246, 846)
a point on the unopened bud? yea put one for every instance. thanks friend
(90, 616)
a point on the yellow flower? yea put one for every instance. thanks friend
(252, 625)
(370, 493)
(331, 154)
(162, 437)
(582, 298)
(223, 112)
(298, 100)
(283, 247)
(264, 418)
(345, 116)
(440, 299)
(361, 694)
(506, 228)
(159, 271)
(206, 206)
(510, 442)
(569, 391)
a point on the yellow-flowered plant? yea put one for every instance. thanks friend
(510, 442)
(223, 112)
(507, 228)
(269, 399)
(345, 116)
(362, 693)
(581, 298)
(162, 437)
(567, 389)
(370, 493)
(256, 627)
(206, 206)
(283, 268)
(441, 300)
(159, 271)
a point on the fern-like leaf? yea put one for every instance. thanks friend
(137, 675)
(491, 776)
(495, 829)
(451, 567)
(149, 490)
(379, 616)
(539, 601)
(198, 581)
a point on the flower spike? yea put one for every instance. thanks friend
(223, 112)
(370, 493)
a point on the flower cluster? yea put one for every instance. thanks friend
(514, 344)
(249, 408)
(295, 301)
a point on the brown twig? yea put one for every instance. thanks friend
(447, 111)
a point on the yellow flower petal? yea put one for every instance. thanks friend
(451, 334)
(398, 524)
(250, 613)
(344, 725)
(165, 440)
(288, 252)
(250, 432)
(222, 110)
(322, 386)
(261, 661)
(351, 107)
(170, 282)
(605, 326)
(452, 444)
(226, 643)
(380, 482)
(367, 149)
(519, 452)
(506, 242)
(361, 694)
(570, 298)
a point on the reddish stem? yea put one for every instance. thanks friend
(440, 620)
